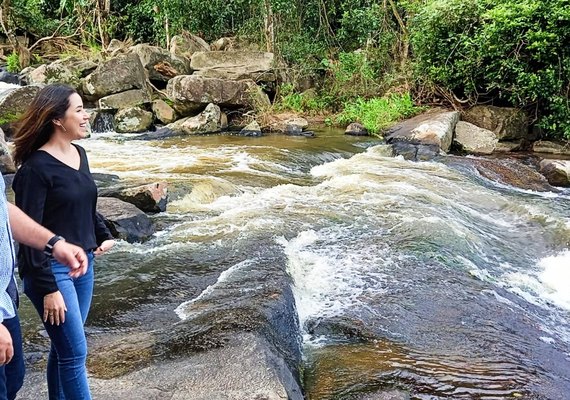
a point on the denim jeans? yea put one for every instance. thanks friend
(12, 374)
(66, 371)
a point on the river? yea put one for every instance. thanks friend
(419, 276)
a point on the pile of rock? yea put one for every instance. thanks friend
(143, 86)
(479, 130)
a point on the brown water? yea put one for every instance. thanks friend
(423, 277)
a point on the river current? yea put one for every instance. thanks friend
(419, 276)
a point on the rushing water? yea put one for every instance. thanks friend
(425, 277)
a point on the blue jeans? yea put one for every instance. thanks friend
(12, 374)
(66, 371)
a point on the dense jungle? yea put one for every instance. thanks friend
(351, 53)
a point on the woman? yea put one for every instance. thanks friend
(54, 186)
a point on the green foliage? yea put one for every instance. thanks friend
(308, 102)
(6, 118)
(13, 63)
(378, 114)
(511, 52)
(508, 52)
(34, 17)
(353, 74)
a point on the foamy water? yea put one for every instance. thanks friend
(415, 252)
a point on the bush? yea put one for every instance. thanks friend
(308, 102)
(13, 63)
(379, 113)
(511, 52)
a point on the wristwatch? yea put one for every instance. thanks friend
(48, 250)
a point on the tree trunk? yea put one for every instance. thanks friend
(23, 53)
(269, 27)
(405, 37)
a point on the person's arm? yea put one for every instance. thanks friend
(27, 231)
(103, 235)
(6, 348)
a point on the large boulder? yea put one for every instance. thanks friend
(208, 121)
(130, 98)
(191, 93)
(186, 44)
(472, 139)
(424, 136)
(14, 100)
(116, 75)
(69, 71)
(133, 119)
(159, 63)
(234, 65)
(556, 171)
(124, 220)
(507, 123)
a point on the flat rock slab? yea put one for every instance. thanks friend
(244, 369)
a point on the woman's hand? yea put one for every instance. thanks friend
(54, 308)
(106, 245)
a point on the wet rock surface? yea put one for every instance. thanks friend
(216, 374)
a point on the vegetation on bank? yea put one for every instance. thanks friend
(362, 57)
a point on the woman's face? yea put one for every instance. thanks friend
(76, 119)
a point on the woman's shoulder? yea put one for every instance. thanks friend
(33, 169)
(37, 159)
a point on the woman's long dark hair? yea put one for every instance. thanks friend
(35, 127)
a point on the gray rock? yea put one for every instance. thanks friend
(116, 75)
(253, 65)
(159, 63)
(124, 220)
(130, 98)
(251, 129)
(557, 172)
(69, 71)
(246, 368)
(133, 119)
(163, 112)
(508, 146)
(151, 197)
(14, 101)
(186, 44)
(191, 93)
(6, 163)
(472, 139)
(208, 121)
(294, 125)
(507, 123)
(433, 129)
(356, 129)
(545, 146)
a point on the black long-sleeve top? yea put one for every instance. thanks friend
(62, 199)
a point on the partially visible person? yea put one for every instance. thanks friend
(26, 231)
(54, 186)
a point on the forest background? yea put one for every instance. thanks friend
(371, 61)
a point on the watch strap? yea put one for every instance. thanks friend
(48, 250)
